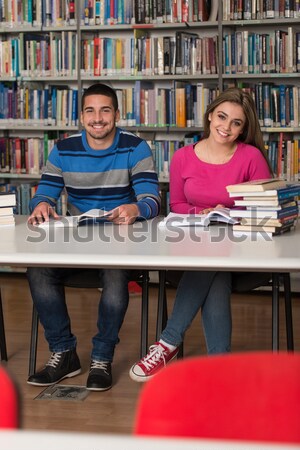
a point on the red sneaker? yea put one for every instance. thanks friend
(156, 359)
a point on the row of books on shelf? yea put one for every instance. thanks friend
(29, 155)
(277, 51)
(284, 156)
(276, 105)
(168, 11)
(265, 206)
(182, 105)
(146, 104)
(55, 54)
(36, 13)
(184, 53)
(26, 155)
(40, 54)
(97, 12)
(259, 9)
(15, 198)
(38, 104)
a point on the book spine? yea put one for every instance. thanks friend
(180, 107)
(178, 64)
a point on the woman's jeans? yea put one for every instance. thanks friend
(48, 294)
(211, 292)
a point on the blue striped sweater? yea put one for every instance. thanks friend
(104, 179)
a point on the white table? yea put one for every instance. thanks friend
(36, 440)
(144, 245)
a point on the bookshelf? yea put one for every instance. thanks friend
(165, 70)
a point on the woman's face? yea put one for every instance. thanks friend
(227, 122)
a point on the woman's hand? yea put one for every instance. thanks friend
(208, 210)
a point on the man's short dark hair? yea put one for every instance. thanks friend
(100, 89)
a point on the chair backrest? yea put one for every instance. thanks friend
(243, 396)
(9, 401)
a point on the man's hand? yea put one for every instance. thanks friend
(124, 214)
(42, 213)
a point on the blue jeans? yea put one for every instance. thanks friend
(48, 294)
(211, 292)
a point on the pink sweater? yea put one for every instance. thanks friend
(195, 185)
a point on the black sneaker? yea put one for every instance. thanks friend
(60, 365)
(100, 377)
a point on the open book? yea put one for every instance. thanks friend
(202, 220)
(91, 216)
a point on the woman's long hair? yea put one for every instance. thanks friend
(252, 132)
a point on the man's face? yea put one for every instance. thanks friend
(99, 120)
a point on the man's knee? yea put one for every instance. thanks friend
(115, 276)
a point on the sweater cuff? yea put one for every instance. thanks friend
(148, 208)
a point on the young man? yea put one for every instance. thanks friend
(102, 167)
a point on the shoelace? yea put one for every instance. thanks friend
(54, 359)
(156, 353)
(102, 365)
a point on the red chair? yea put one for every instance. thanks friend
(242, 396)
(9, 401)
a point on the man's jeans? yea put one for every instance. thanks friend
(211, 292)
(48, 294)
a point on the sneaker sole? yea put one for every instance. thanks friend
(98, 389)
(143, 379)
(69, 375)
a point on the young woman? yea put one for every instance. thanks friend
(231, 151)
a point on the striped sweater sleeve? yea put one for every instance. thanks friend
(145, 181)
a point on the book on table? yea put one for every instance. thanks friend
(6, 211)
(269, 221)
(203, 220)
(7, 220)
(7, 199)
(260, 201)
(287, 192)
(92, 216)
(7, 204)
(285, 210)
(257, 185)
(273, 210)
(269, 229)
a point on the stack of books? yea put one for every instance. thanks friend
(269, 206)
(7, 205)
